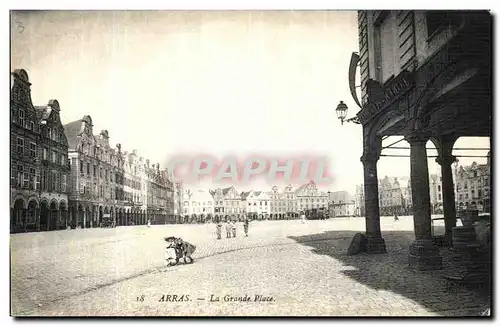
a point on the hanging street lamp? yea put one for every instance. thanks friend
(341, 111)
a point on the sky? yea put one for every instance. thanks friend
(169, 83)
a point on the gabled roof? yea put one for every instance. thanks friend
(43, 112)
(244, 194)
(226, 190)
(72, 131)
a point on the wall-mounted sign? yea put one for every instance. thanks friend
(381, 96)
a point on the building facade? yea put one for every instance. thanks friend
(283, 203)
(308, 197)
(178, 201)
(198, 206)
(390, 196)
(436, 193)
(25, 159)
(156, 189)
(473, 186)
(227, 204)
(258, 205)
(95, 194)
(342, 204)
(54, 169)
(359, 201)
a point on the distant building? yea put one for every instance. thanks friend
(283, 203)
(473, 186)
(227, 203)
(198, 206)
(258, 205)
(178, 200)
(359, 201)
(310, 198)
(436, 193)
(342, 203)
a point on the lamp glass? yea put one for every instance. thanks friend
(341, 110)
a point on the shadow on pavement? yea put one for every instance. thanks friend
(390, 272)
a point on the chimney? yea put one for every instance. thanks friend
(158, 166)
(147, 163)
(104, 134)
(119, 147)
(134, 151)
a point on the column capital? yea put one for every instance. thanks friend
(369, 157)
(446, 160)
(417, 137)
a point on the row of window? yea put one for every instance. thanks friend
(104, 174)
(255, 203)
(28, 178)
(485, 182)
(100, 154)
(29, 148)
(480, 193)
(21, 121)
(207, 210)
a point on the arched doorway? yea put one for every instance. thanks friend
(17, 220)
(31, 215)
(99, 217)
(53, 220)
(88, 217)
(44, 215)
(80, 217)
(106, 218)
(63, 212)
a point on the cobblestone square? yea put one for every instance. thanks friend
(299, 269)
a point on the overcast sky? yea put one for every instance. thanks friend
(221, 83)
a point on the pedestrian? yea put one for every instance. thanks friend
(149, 223)
(234, 228)
(186, 250)
(396, 218)
(171, 254)
(245, 227)
(303, 217)
(219, 230)
(228, 229)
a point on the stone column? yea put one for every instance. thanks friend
(423, 254)
(37, 218)
(449, 209)
(375, 242)
(445, 160)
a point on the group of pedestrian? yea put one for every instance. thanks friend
(230, 229)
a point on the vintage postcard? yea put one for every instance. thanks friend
(250, 163)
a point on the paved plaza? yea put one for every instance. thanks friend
(291, 268)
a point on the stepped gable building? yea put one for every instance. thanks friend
(54, 169)
(25, 167)
(93, 197)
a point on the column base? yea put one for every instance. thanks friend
(375, 245)
(424, 255)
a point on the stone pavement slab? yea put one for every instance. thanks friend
(304, 269)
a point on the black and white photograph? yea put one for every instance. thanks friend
(250, 163)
